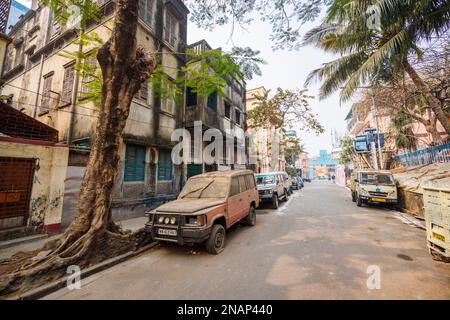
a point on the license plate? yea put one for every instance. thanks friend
(438, 236)
(166, 232)
(378, 200)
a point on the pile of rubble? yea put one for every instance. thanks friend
(411, 182)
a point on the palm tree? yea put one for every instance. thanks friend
(382, 55)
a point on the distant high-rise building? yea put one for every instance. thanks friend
(17, 10)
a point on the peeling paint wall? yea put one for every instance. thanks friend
(48, 181)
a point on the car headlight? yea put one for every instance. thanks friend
(161, 219)
(167, 220)
(364, 192)
(196, 221)
(173, 220)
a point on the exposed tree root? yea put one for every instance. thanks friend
(92, 236)
(28, 270)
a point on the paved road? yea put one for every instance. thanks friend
(319, 245)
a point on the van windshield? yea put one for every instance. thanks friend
(205, 188)
(262, 180)
(378, 179)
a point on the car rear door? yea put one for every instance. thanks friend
(252, 191)
(245, 196)
(234, 201)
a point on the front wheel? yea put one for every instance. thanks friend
(216, 242)
(286, 195)
(250, 220)
(358, 201)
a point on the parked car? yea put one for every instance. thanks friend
(297, 183)
(273, 187)
(373, 186)
(208, 205)
(302, 183)
(307, 180)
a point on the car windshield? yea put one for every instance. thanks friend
(262, 180)
(377, 178)
(205, 188)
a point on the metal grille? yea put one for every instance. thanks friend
(378, 194)
(4, 13)
(16, 178)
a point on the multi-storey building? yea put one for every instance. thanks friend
(42, 82)
(266, 144)
(322, 165)
(225, 113)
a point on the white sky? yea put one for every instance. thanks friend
(25, 2)
(286, 69)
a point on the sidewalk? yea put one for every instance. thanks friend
(131, 224)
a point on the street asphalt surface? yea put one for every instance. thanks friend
(318, 245)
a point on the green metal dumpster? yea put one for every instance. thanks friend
(437, 218)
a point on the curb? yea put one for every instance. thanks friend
(58, 284)
(413, 221)
(19, 241)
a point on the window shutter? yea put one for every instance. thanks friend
(66, 96)
(45, 102)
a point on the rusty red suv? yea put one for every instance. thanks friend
(208, 206)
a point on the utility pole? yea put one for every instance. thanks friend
(375, 110)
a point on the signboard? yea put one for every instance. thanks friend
(362, 143)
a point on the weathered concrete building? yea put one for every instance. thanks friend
(33, 166)
(43, 84)
(227, 113)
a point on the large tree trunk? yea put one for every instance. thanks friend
(92, 234)
(431, 100)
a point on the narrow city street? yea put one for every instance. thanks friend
(319, 245)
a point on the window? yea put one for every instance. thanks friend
(142, 94)
(55, 29)
(69, 74)
(134, 163)
(227, 110)
(170, 29)
(234, 187)
(146, 11)
(212, 101)
(168, 102)
(250, 182)
(191, 97)
(238, 117)
(90, 70)
(45, 101)
(242, 184)
(165, 165)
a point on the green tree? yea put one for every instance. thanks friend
(402, 132)
(292, 149)
(285, 17)
(284, 110)
(376, 55)
(346, 156)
